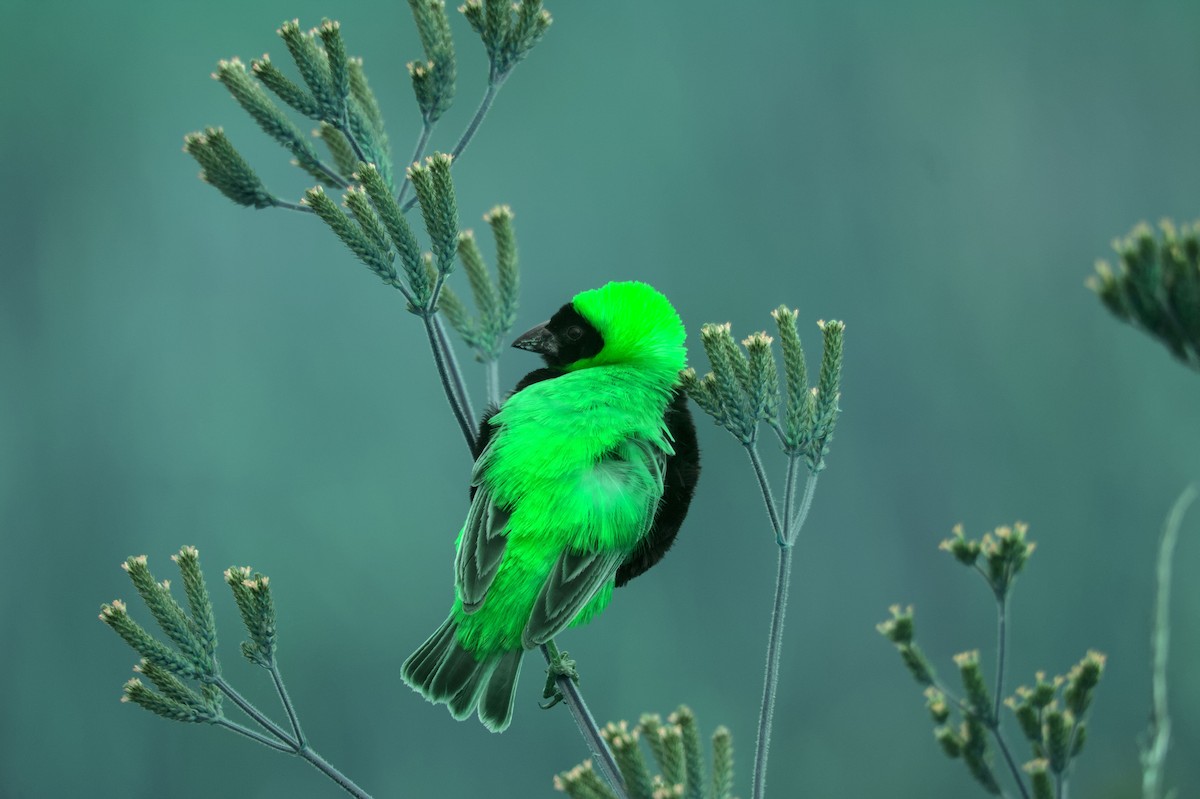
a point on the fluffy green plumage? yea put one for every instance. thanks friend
(565, 490)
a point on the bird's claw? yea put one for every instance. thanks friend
(562, 665)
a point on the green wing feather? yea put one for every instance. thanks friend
(485, 537)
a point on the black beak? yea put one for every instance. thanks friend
(538, 339)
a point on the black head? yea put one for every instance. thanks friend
(565, 339)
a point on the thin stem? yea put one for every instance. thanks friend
(1001, 635)
(290, 745)
(343, 125)
(768, 498)
(485, 105)
(1154, 752)
(789, 494)
(448, 382)
(325, 767)
(252, 735)
(771, 679)
(418, 151)
(286, 701)
(278, 203)
(456, 376)
(329, 172)
(1062, 786)
(573, 699)
(1012, 764)
(810, 488)
(256, 714)
(493, 382)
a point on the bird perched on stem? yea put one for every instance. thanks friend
(582, 478)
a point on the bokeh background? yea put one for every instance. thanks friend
(942, 175)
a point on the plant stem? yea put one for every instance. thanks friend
(765, 486)
(252, 735)
(289, 745)
(771, 679)
(460, 385)
(278, 203)
(343, 126)
(325, 767)
(792, 524)
(256, 714)
(449, 382)
(810, 488)
(485, 105)
(418, 151)
(286, 701)
(493, 382)
(573, 699)
(1154, 752)
(1001, 642)
(1012, 764)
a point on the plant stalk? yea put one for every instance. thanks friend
(1158, 735)
(451, 378)
(485, 105)
(418, 151)
(286, 701)
(493, 382)
(573, 699)
(771, 678)
(765, 487)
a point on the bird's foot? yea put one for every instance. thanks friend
(561, 665)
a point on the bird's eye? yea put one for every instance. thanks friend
(574, 332)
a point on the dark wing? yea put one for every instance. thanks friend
(574, 580)
(484, 537)
(481, 549)
(682, 472)
(577, 576)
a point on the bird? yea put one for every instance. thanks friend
(582, 478)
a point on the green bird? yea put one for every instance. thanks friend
(581, 481)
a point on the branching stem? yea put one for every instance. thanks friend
(286, 701)
(286, 743)
(485, 105)
(768, 497)
(786, 535)
(418, 151)
(1012, 764)
(257, 715)
(252, 735)
(451, 379)
(602, 755)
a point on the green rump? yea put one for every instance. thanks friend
(577, 460)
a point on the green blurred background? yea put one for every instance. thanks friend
(177, 370)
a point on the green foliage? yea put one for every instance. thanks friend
(191, 655)
(743, 388)
(508, 32)
(223, 167)
(1156, 286)
(675, 747)
(1050, 714)
(495, 299)
(433, 79)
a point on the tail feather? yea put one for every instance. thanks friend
(496, 702)
(444, 672)
(421, 666)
